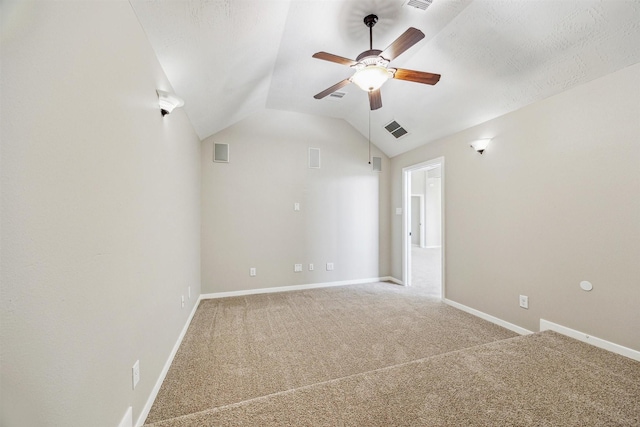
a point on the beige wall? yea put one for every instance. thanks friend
(100, 215)
(418, 213)
(553, 201)
(248, 218)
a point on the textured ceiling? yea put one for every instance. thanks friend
(231, 58)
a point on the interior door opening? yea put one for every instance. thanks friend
(423, 226)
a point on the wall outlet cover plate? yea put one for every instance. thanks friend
(524, 301)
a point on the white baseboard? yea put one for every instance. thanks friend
(515, 328)
(127, 420)
(391, 279)
(545, 325)
(293, 288)
(165, 369)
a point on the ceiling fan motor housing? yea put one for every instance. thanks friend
(373, 53)
(370, 20)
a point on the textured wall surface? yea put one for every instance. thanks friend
(248, 217)
(100, 215)
(552, 201)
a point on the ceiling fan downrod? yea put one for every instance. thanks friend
(370, 21)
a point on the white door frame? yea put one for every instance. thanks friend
(406, 218)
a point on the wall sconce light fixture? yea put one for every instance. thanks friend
(480, 144)
(168, 102)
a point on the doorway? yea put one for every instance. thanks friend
(423, 226)
(417, 220)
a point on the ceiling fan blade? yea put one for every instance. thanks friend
(375, 99)
(402, 43)
(334, 58)
(332, 89)
(416, 76)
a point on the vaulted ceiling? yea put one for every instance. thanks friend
(231, 58)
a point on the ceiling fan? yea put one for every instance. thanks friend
(372, 66)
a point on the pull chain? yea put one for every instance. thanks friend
(369, 136)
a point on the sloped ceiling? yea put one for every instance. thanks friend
(231, 58)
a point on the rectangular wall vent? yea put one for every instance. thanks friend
(395, 129)
(419, 4)
(376, 164)
(314, 158)
(221, 153)
(337, 95)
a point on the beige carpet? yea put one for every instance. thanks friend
(426, 270)
(382, 355)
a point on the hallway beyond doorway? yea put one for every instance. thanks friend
(426, 271)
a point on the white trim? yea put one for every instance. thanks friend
(545, 325)
(423, 235)
(165, 369)
(293, 288)
(127, 420)
(391, 279)
(515, 328)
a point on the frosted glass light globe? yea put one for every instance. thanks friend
(370, 77)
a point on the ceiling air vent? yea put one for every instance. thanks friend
(337, 95)
(395, 129)
(419, 4)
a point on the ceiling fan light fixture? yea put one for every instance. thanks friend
(372, 66)
(371, 77)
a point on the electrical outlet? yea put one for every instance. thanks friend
(329, 266)
(310, 267)
(189, 291)
(252, 271)
(182, 300)
(297, 268)
(135, 374)
(524, 301)
(296, 206)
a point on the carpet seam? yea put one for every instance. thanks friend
(383, 369)
(291, 390)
